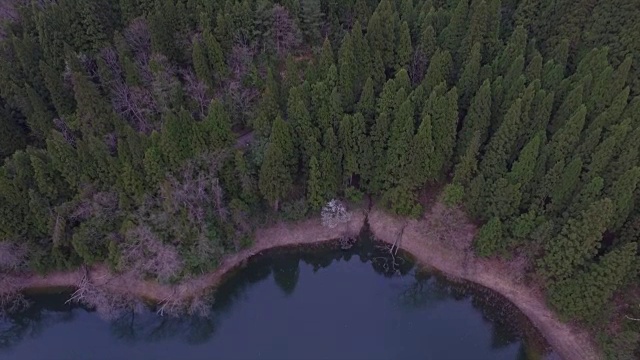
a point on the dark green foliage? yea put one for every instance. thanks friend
(133, 110)
(577, 242)
(275, 179)
(586, 294)
(443, 109)
(489, 239)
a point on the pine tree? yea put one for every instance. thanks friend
(503, 199)
(428, 43)
(489, 239)
(381, 33)
(577, 242)
(534, 68)
(176, 137)
(275, 179)
(522, 170)
(604, 152)
(282, 136)
(363, 55)
(404, 49)
(314, 189)
(492, 38)
(330, 164)
(587, 294)
(477, 119)
(621, 193)
(60, 96)
(444, 117)
(569, 181)
(500, 146)
(423, 151)
(566, 138)
(379, 141)
(515, 48)
(467, 166)
(215, 56)
(589, 193)
(348, 73)
(567, 109)
(469, 81)
(451, 36)
(439, 70)
(214, 132)
(153, 163)
(201, 64)
(326, 57)
(477, 28)
(399, 147)
(367, 103)
(310, 20)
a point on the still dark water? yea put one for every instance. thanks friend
(329, 304)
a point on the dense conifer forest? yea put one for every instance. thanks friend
(156, 135)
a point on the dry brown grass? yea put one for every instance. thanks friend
(442, 240)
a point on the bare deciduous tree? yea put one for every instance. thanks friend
(198, 91)
(135, 104)
(143, 252)
(108, 305)
(13, 256)
(334, 213)
(286, 34)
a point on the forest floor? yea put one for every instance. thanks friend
(441, 239)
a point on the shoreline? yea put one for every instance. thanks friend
(430, 241)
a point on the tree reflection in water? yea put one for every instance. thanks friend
(411, 289)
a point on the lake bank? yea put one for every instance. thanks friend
(441, 240)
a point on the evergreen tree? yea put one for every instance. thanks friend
(451, 36)
(477, 29)
(404, 49)
(367, 104)
(567, 109)
(214, 55)
(467, 166)
(439, 70)
(326, 57)
(282, 136)
(330, 164)
(514, 49)
(621, 193)
(569, 181)
(381, 33)
(469, 80)
(489, 239)
(500, 146)
(477, 119)
(348, 73)
(60, 96)
(587, 294)
(275, 178)
(201, 64)
(522, 170)
(314, 187)
(399, 147)
(577, 242)
(444, 116)
(423, 151)
(565, 139)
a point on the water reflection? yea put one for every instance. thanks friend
(316, 293)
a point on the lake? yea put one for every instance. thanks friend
(324, 303)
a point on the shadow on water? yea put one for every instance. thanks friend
(412, 287)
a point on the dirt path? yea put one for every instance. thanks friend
(428, 245)
(440, 240)
(308, 232)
